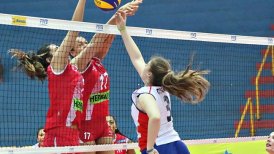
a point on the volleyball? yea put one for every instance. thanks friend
(107, 5)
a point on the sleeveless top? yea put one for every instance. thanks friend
(65, 95)
(96, 91)
(166, 134)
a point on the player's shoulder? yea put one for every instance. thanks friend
(142, 89)
(150, 90)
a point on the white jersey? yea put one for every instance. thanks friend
(166, 134)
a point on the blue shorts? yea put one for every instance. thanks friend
(177, 147)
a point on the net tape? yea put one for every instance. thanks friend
(17, 20)
(109, 147)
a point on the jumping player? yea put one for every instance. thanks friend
(65, 86)
(94, 128)
(151, 108)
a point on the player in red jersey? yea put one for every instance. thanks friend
(40, 138)
(151, 108)
(119, 138)
(88, 59)
(65, 86)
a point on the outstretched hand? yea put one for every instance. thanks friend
(121, 19)
(131, 7)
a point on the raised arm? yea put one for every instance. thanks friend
(101, 43)
(132, 49)
(60, 57)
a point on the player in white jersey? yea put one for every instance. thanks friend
(151, 109)
(166, 133)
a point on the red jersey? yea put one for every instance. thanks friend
(65, 95)
(118, 140)
(96, 91)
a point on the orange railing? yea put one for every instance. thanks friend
(249, 101)
(272, 59)
(258, 116)
(252, 130)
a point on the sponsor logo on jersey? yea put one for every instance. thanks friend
(99, 97)
(77, 104)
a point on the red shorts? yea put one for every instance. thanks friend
(92, 130)
(61, 136)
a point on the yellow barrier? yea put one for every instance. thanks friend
(244, 147)
(252, 131)
(250, 147)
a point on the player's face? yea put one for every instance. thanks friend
(270, 144)
(111, 122)
(41, 136)
(81, 44)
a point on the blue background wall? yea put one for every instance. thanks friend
(23, 102)
(246, 17)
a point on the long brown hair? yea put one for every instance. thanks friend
(188, 85)
(33, 64)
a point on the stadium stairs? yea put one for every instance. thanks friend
(264, 93)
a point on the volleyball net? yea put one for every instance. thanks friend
(239, 103)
